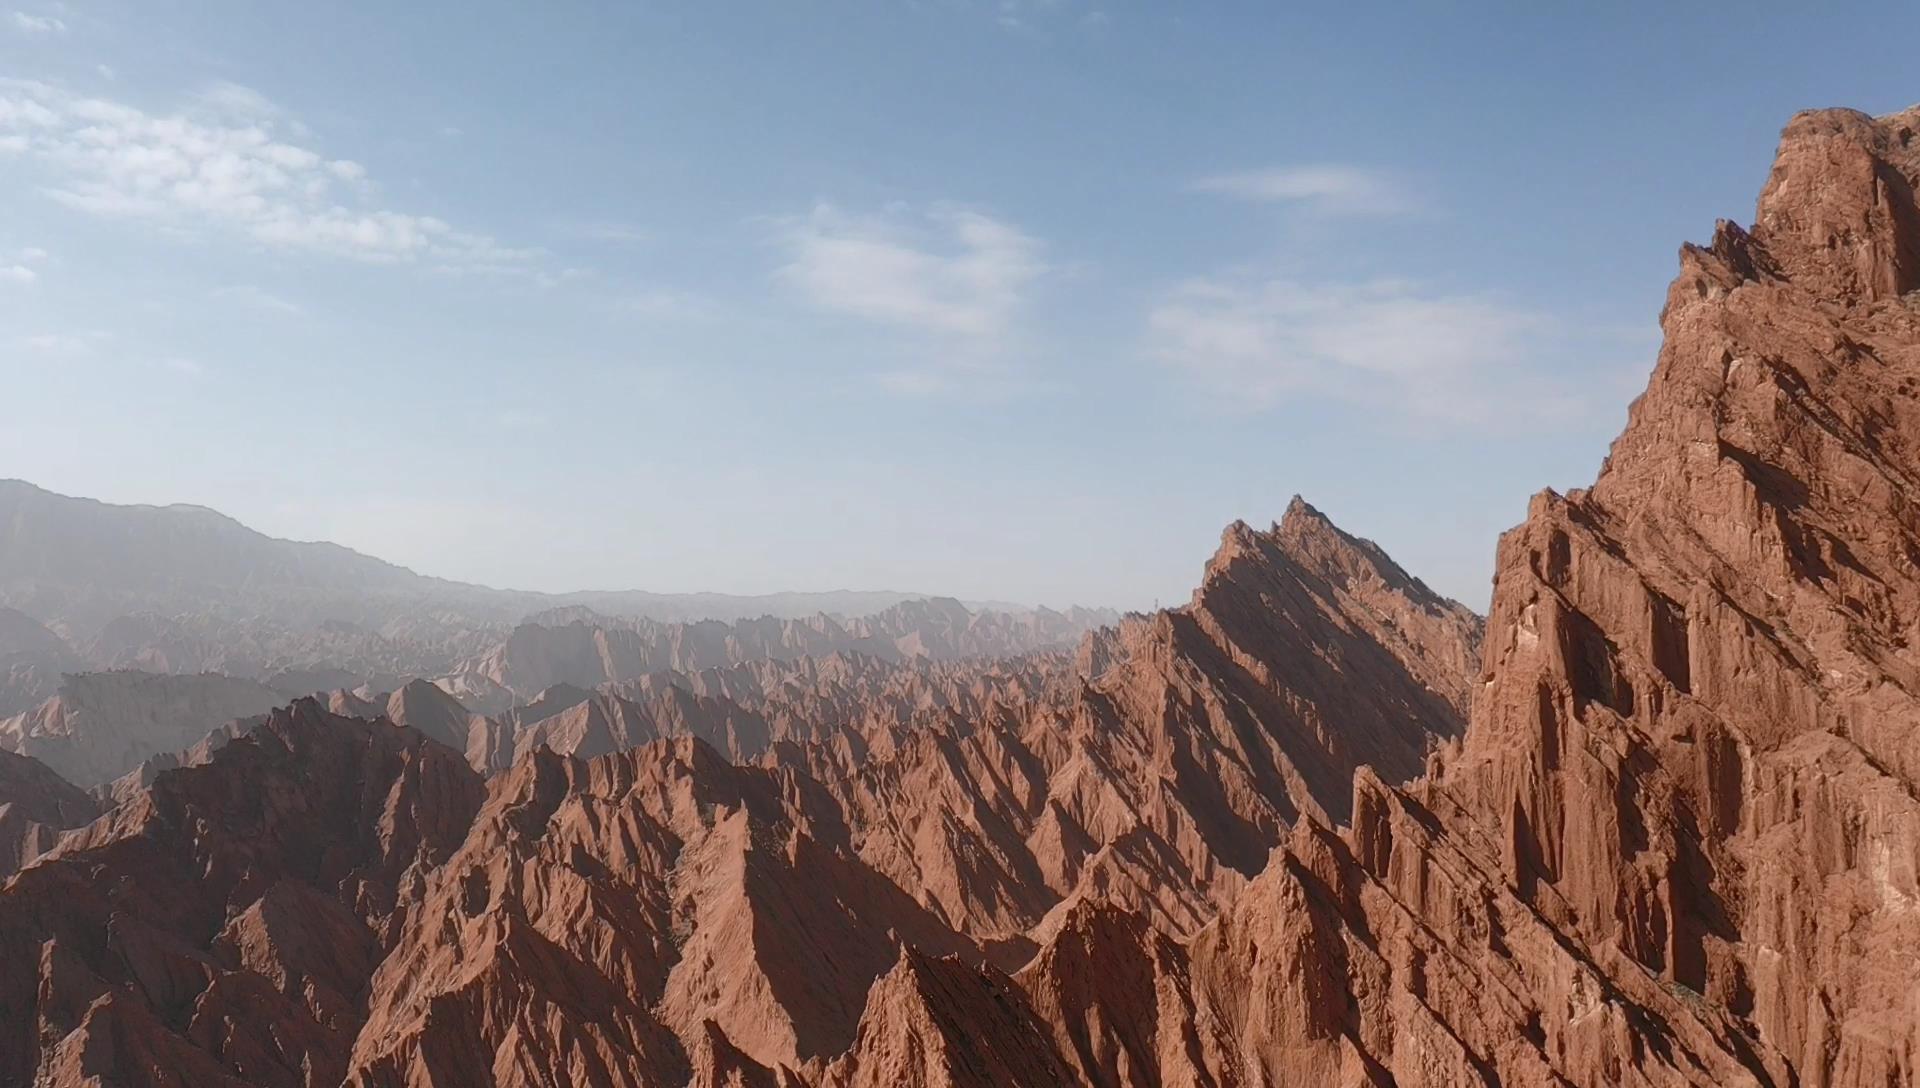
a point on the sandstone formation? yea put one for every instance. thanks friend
(35, 806)
(1655, 822)
(1696, 743)
(219, 928)
(589, 651)
(95, 727)
(817, 870)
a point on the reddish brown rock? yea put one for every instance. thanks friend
(1697, 740)
(943, 1024)
(595, 650)
(35, 806)
(219, 927)
(1666, 835)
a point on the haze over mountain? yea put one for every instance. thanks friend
(929, 806)
(177, 620)
(78, 564)
(1654, 822)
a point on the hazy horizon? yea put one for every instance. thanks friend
(1010, 301)
(576, 591)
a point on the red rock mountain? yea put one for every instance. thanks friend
(183, 590)
(35, 806)
(1677, 844)
(810, 871)
(219, 928)
(593, 650)
(1653, 824)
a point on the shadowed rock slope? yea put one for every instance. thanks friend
(35, 806)
(825, 870)
(1678, 844)
(1666, 834)
(594, 650)
(220, 927)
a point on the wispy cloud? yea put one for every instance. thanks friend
(232, 100)
(609, 231)
(28, 23)
(1407, 347)
(226, 162)
(516, 420)
(666, 304)
(1035, 17)
(947, 271)
(64, 343)
(256, 298)
(17, 267)
(1328, 188)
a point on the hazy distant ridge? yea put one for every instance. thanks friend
(77, 564)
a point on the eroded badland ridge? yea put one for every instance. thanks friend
(1654, 821)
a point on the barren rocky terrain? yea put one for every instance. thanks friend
(1654, 821)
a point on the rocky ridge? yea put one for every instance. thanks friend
(773, 871)
(1653, 823)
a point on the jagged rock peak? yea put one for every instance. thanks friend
(1306, 538)
(1839, 212)
(1700, 671)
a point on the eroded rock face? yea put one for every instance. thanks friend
(1698, 731)
(35, 806)
(838, 897)
(220, 927)
(1677, 843)
(595, 650)
(1660, 830)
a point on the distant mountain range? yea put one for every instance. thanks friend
(78, 564)
(179, 590)
(1654, 822)
(127, 632)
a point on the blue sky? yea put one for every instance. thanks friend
(1018, 300)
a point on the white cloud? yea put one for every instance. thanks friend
(186, 368)
(949, 271)
(18, 268)
(1404, 346)
(1328, 188)
(27, 23)
(225, 163)
(236, 101)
